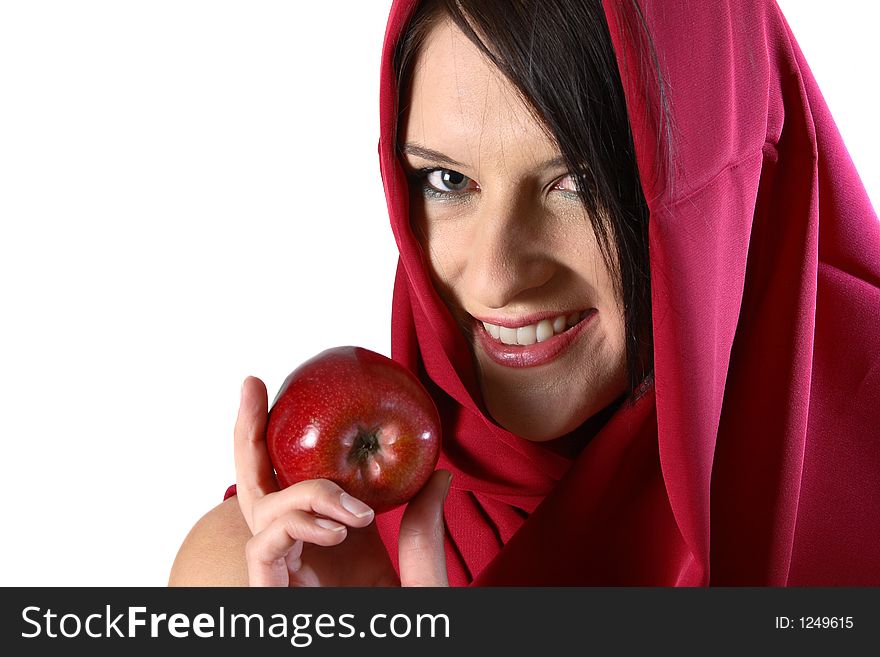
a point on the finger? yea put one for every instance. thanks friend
(294, 557)
(319, 496)
(276, 550)
(421, 546)
(254, 475)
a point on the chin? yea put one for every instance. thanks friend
(541, 413)
(538, 428)
(544, 421)
(537, 434)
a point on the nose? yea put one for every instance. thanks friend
(511, 253)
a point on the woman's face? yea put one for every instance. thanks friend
(510, 245)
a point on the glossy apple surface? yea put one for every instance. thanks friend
(359, 419)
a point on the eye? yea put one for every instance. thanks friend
(567, 184)
(447, 180)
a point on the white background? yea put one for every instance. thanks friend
(189, 193)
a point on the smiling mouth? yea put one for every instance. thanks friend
(534, 333)
(507, 350)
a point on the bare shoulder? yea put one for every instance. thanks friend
(212, 554)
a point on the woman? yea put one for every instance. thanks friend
(686, 400)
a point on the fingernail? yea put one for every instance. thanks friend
(326, 523)
(448, 484)
(355, 507)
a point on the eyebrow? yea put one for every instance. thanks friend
(411, 148)
(429, 154)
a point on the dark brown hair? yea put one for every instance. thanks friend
(560, 57)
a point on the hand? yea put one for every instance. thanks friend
(314, 534)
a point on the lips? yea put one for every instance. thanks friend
(531, 355)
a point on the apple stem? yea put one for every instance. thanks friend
(365, 445)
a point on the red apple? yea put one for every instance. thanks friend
(359, 419)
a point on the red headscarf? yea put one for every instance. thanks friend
(755, 458)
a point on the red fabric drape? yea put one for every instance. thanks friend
(755, 457)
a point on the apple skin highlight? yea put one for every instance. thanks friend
(359, 419)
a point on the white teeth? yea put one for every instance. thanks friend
(544, 330)
(508, 335)
(540, 332)
(527, 335)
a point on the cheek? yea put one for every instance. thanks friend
(613, 324)
(443, 249)
(617, 340)
(447, 266)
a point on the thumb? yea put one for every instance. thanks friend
(421, 547)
